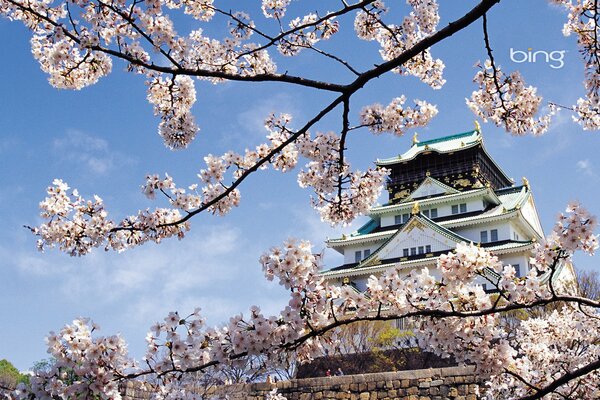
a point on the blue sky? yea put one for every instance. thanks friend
(103, 140)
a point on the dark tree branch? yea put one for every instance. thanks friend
(563, 380)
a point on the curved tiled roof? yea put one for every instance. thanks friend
(446, 144)
(441, 145)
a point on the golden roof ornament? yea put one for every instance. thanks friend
(415, 139)
(526, 182)
(477, 127)
(416, 209)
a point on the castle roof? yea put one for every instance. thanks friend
(444, 144)
(506, 205)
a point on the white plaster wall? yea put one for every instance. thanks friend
(444, 209)
(387, 220)
(522, 259)
(474, 232)
(349, 251)
(530, 214)
(515, 229)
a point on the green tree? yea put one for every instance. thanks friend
(10, 376)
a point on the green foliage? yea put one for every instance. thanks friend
(10, 375)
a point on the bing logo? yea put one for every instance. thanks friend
(553, 58)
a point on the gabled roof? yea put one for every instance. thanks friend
(509, 201)
(414, 221)
(430, 187)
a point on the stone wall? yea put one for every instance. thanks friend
(459, 383)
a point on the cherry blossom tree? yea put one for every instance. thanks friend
(76, 43)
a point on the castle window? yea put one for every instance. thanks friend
(433, 213)
(455, 209)
(405, 218)
(428, 248)
(357, 256)
(367, 253)
(413, 251)
(484, 236)
(421, 250)
(494, 235)
(405, 252)
(397, 219)
(463, 207)
(517, 268)
(426, 213)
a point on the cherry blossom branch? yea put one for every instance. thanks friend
(455, 26)
(563, 380)
(273, 40)
(284, 78)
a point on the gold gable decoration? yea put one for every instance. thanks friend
(416, 209)
(414, 223)
(402, 194)
(373, 261)
(415, 139)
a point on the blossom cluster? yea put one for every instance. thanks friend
(173, 100)
(572, 232)
(84, 366)
(68, 65)
(507, 101)
(546, 353)
(396, 39)
(397, 118)
(78, 225)
(583, 21)
(341, 194)
(306, 32)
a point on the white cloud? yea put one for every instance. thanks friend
(586, 167)
(214, 268)
(90, 152)
(249, 125)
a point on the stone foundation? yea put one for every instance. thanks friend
(458, 383)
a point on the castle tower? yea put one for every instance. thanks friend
(441, 192)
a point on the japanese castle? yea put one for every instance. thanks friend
(441, 192)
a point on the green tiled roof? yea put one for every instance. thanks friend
(446, 138)
(368, 227)
(442, 145)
